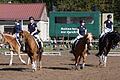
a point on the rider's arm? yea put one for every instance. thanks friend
(78, 31)
(35, 29)
(85, 31)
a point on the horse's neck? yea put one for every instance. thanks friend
(8, 38)
(82, 41)
(29, 38)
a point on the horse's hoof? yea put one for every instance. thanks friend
(81, 67)
(34, 70)
(24, 63)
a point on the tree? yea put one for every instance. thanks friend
(117, 10)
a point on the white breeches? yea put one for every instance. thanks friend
(78, 37)
(16, 35)
(106, 31)
(17, 38)
(37, 36)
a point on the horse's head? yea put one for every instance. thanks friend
(24, 35)
(116, 38)
(89, 38)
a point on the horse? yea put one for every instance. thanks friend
(106, 42)
(80, 50)
(32, 49)
(14, 46)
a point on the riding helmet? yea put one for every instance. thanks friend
(109, 16)
(31, 18)
(82, 21)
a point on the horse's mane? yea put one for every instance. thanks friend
(111, 37)
(29, 41)
(8, 35)
(8, 38)
(27, 36)
(85, 38)
(26, 33)
(88, 35)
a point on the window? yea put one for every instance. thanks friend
(9, 29)
(88, 19)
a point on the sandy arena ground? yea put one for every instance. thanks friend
(60, 68)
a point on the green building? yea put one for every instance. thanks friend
(66, 23)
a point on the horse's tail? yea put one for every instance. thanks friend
(40, 54)
(39, 58)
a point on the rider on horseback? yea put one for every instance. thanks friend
(17, 29)
(32, 28)
(81, 32)
(108, 25)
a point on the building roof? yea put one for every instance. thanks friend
(21, 11)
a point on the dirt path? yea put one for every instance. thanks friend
(60, 68)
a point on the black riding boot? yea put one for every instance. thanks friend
(40, 46)
(39, 43)
(18, 40)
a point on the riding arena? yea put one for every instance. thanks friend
(53, 60)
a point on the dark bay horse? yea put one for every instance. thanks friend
(32, 49)
(80, 50)
(14, 46)
(106, 42)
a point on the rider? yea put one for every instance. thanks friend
(17, 29)
(82, 30)
(108, 25)
(32, 28)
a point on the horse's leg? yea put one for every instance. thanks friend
(28, 62)
(107, 50)
(84, 59)
(40, 62)
(11, 58)
(21, 58)
(101, 60)
(76, 62)
(29, 59)
(34, 63)
(104, 60)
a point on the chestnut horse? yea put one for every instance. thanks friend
(32, 49)
(14, 46)
(80, 50)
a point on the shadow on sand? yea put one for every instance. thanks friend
(89, 65)
(57, 68)
(13, 69)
